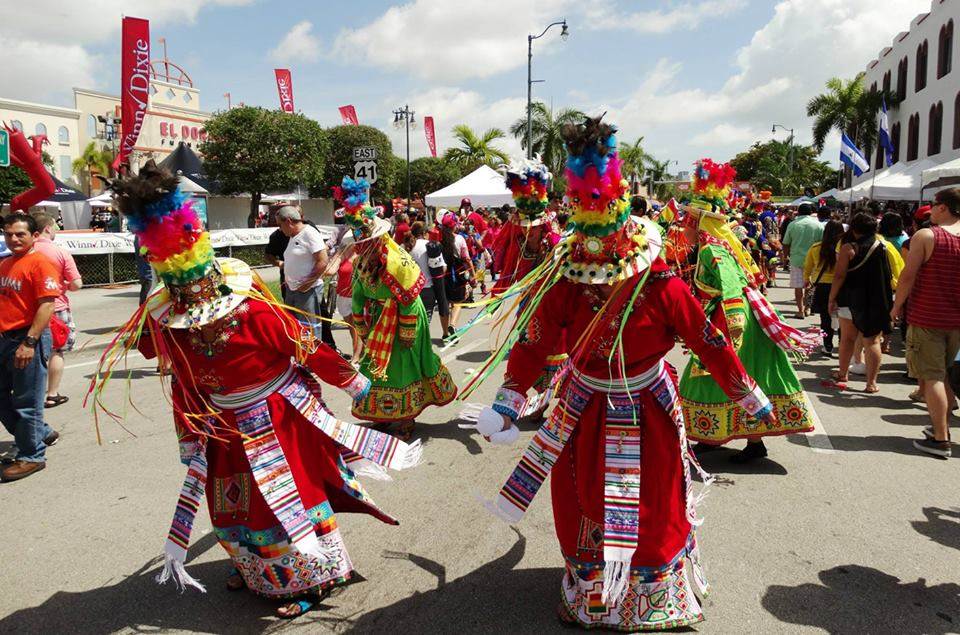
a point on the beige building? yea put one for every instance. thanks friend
(60, 125)
(173, 115)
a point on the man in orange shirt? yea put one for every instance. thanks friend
(29, 283)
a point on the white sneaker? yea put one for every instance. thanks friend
(858, 369)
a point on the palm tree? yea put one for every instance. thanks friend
(657, 171)
(848, 108)
(545, 127)
(475, 151)
(93, 161)
(635, 160)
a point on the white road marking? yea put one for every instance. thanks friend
(446, 359)
(97, 361)
(818, 440)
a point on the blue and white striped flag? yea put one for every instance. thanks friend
(885, 142)
(851, 155)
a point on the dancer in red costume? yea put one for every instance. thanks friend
(615, 445)
(258, 440)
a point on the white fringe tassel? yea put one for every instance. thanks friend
(369, 469)
(412, 457)
(616, 575)
(502, 514)
(173, 569)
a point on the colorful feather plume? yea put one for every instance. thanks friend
(528, 180)
(598, 195)
(354, 195)
(170, 232)
(710, 185)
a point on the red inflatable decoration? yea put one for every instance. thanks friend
(29, 160)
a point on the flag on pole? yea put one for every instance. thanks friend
(349, 115)
(430, 134)
(851, 155)
(885, 142)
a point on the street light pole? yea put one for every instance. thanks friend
(564, 33)
(773, 130)
(406, 115)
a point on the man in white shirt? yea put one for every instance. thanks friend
(433, 271)
(305, 262)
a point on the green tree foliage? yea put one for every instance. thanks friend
(635, 159)
(545, 128)
(429, 174)
(343, 139)
(768, 167)
(13, 180)
(255, 150)
(849, 108)
(475, 150)
(93, 161)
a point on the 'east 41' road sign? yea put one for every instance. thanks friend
(4, 148)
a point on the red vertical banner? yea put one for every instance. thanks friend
(349, 115)
(134, 84)
(431, 136)
(284, 88)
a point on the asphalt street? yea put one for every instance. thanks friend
(845, 530)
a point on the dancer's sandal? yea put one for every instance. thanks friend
(235, 581)
(295, 609)
(299, 607)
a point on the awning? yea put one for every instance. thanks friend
(484, 187)
(942, 175)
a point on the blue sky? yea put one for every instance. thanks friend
(694, 77)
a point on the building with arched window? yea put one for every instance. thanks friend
(926, 117)
(173, 116)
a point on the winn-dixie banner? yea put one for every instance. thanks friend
(284, 88)
(348, 114)
(87, 243)
(134, 84)
(431, 135)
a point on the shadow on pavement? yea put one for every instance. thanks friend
(857, 599)
(917, 418)
(474, 357)
(137, 603)
(872, 443)
(941, 526)
(123, 294)
(496, 598)
(450, 430)
(718, 462)
(100, 330)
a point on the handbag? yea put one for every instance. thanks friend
(59, 332)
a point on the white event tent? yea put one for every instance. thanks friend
(940, 176)
(484, 187)
(900, 182)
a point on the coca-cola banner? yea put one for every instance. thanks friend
(349, 115)
(134, 84)
(431, 136)
(284, 88)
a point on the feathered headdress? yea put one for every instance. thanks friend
(606, 246)
(528, 180)
(707, 210)
(197, 288)
(354, 195)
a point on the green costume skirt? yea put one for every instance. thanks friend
(416, 378)
(712, 418)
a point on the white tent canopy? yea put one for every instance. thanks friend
(900, 182)
(948, 170)
(101, 200)
(484, 187)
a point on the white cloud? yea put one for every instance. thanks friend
(786, 62)
(727, 134)
(36, 71)
(451, 106)
(298, 45)
(603, 14)
(44, 42)
(443, 41)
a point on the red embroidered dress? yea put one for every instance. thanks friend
(273, 402)
(614, 433)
